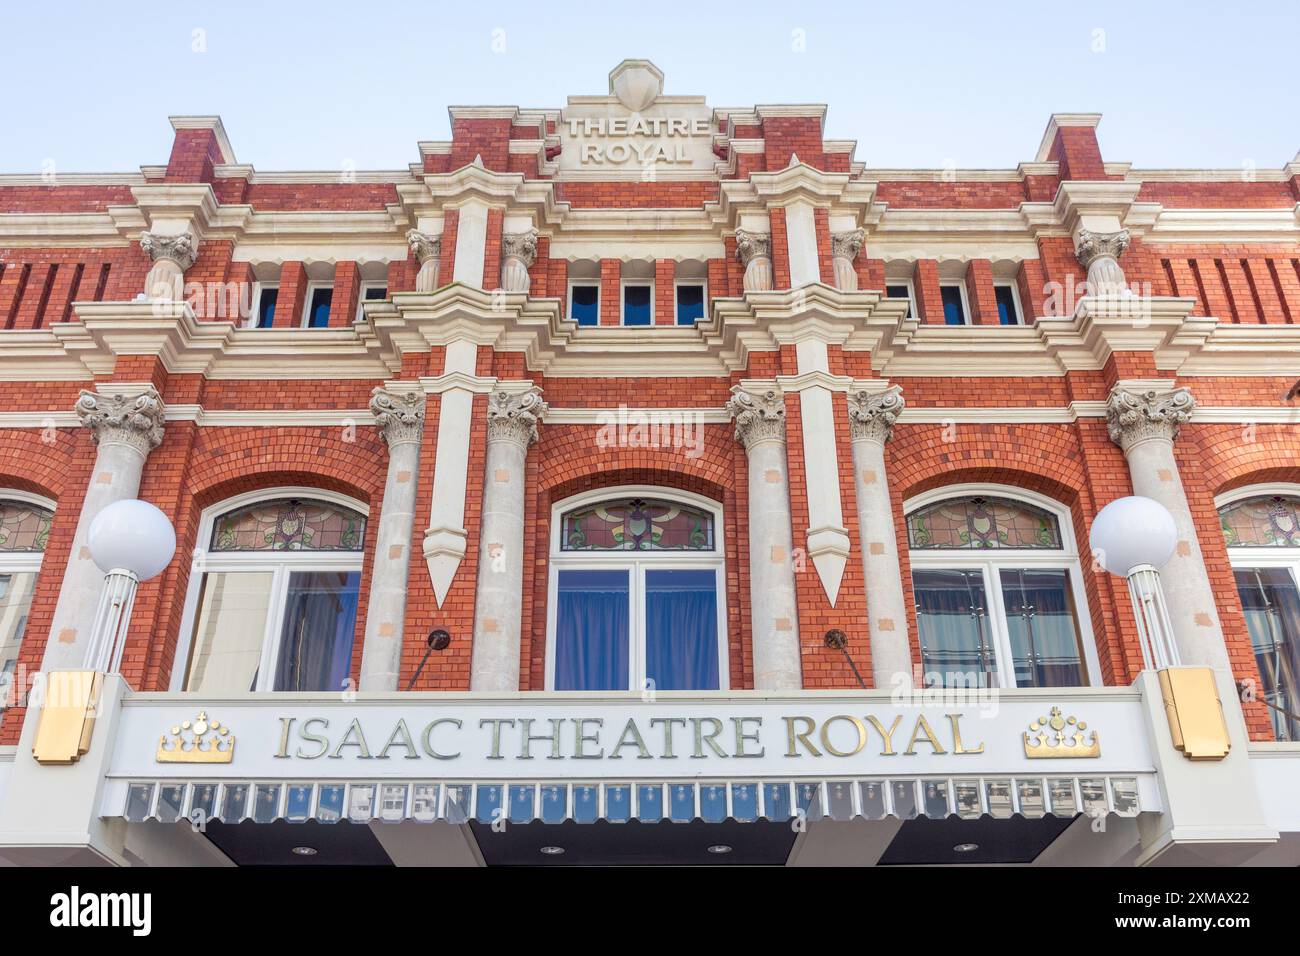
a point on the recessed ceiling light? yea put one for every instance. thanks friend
(304, 850)
(719, 848)
(966, 848)
(552, 850)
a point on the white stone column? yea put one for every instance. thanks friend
(171, 256)
(518, 253)
(871, 423)
(427, 250)
(1099, 252)
(754, 250)
(774, 609)
(498, 597)
(1144, 423)
(126, 427)
(845, 247)
(400, 419)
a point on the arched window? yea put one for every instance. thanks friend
(1261, 527)
(273, 596)
(636, 593)
(24, 530)
(996, 582)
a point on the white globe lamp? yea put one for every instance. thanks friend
(130, 541)
(1134, 537)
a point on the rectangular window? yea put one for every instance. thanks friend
(1270, 601)
(638, 304)
(1008, 303)
(229, 631)
(371, 292)
(584, 303)
(319, 298)
(1045, 645)
(16, 590)
(681, 629)
(953, 626)
(954, 303)
(690, 303)
(320, 618)
(902, 290)
(264, 309)
(591, 630)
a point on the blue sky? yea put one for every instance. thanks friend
(313, 86)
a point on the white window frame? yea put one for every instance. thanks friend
(911, 295)
(599, 297)
(623, 286)
(636, 563)
(312, 288)
(361, 294)
(960, 286)
(255, 312)
(991, 561)
(23, 562)
(703, 284)
(1015, 298)
(280, 563)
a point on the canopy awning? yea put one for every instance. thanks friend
(680, 801)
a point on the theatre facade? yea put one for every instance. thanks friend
(643, 481)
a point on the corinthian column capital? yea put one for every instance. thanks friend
(181, 249)
(759, 416)
(132, 420)
(520, 245)
(754, 250)
(1135, 416)
(427, 251)
(847, 245)
(872, 414)
(1098, 253)
(398, 415)
(514, 416)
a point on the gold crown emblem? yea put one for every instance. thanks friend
(1060, 738)
(197, 741)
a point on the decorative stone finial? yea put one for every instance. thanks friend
(132, 420)
(398, 415)
(518, 253)
(759, 416)
(514, 416)
(754, 250)
(872, 414)
(1133, 417)
(427, 251)
(1099, 253)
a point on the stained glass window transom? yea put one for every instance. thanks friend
(24, 527)
(980, 522)
(289, 524)
(637, 524)
(1267, 521)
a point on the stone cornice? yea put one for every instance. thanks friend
(861, 320)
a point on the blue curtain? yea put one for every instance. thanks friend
(320, 620)
(591, 631)
(681, 610)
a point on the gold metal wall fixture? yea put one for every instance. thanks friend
(1195, 712)
(67, 719)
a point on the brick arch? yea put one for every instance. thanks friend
(1233, 456)
(568, 462)
(36, 462)
(214, 464)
